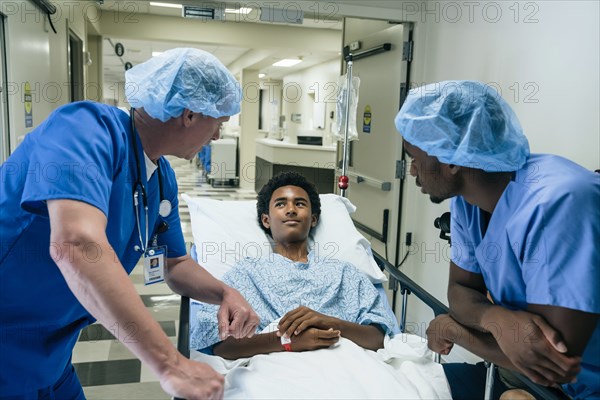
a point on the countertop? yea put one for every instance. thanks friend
(279, 152)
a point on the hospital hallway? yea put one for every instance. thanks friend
(106, 368)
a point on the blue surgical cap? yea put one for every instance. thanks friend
(464, 123)
(178, 79)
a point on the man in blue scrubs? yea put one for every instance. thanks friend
(79, 206)
(525, 266)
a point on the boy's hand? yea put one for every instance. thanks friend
(296, 321)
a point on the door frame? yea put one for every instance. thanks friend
(4, 122)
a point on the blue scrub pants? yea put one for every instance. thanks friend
(205, 157)
(467, 381)
(67, 387)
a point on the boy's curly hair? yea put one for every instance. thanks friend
(286, 178)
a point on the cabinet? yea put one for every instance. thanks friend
(316, 163)
(322, 178)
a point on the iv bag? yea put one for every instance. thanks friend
(339, 124)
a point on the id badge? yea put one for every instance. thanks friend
(154, 265)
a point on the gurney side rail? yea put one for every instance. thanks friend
(408, 286)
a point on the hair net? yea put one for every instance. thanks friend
(464, 123)
(178, 79)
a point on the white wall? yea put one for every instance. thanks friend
(93, 89)
(37, 55)
(271, 106)
(28, 59)
(113, 93)
(248, 128)
(546, 65)
(301, 90)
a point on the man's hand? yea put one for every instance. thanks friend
(235, 317)
(298, 320)
(439, 332)
(301, 319)
(533, 346)
(192, 380)
(314, 339)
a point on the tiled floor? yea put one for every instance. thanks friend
(106, 368)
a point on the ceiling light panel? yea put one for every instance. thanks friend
(287, 62)
(168, 5)
(242, 10)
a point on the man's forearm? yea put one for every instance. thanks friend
(468, 306)
(367, 336)
(104, 289)
(263, 343)
(479, 343)
(185, 277)
(467, 297)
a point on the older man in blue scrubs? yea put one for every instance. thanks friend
(87, 194)
(525, 231)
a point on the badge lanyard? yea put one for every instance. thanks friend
(154, 257)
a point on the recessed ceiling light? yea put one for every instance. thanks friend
(168, 5)
(287, 62)
(262, 75)
(241, 10)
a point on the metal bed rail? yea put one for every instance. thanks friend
(183, 339)
(408, 286)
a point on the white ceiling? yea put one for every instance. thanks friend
(137, 51)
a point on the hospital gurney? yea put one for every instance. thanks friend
(219, 226)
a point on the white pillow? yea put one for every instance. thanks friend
(225, 232)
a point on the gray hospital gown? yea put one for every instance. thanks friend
(277, 285)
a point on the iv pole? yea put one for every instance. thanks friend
(349, 58)
(343, 179)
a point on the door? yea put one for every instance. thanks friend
(374, 156)
(75, 52)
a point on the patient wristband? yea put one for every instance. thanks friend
(286, 343)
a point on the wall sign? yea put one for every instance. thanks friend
(27, 101)
(367, 119)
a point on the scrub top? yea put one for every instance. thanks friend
(541, 246)
(83, 152)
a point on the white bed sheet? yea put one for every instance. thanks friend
(403, 369)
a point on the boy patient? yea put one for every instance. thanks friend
(318, 300)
